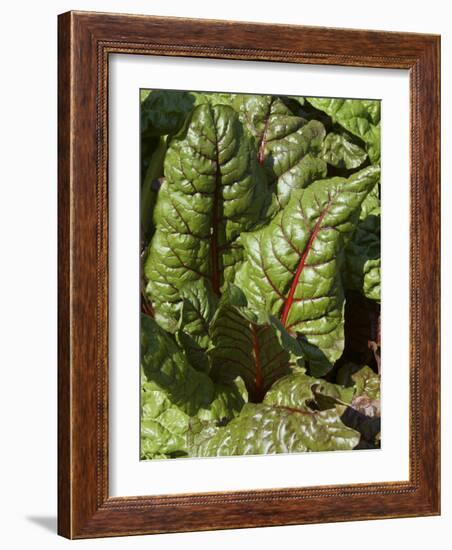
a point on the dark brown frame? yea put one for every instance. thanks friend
(84, 44)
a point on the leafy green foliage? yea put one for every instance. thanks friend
(173, 391)
(243, 346)
(259, 216)
(360, 117)
(362, 254)
(214, 190)
(263, 429)
(288, 146)
(339, 151)
(293, 264)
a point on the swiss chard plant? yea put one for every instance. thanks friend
(260, 280)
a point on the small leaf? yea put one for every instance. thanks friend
(340, 152)
(198, 307)
(362, 378)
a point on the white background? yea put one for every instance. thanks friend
(28, 275)
(129, 476)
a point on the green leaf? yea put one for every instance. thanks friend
(214, 190)
(144, 94)
(243, 347)
(362, 267)
(301, 391)
(164, 111)
(293, 391)
(362, 379)
(228, 401)
(166, 367)
(198, 307)
(340, 152)
(213, 98)
(292, 269)
(173, 392)
(264, 429)
(199, 304)
(289, 147)
(361, 117)
(364, 411)
(163, 425)
(149, 191)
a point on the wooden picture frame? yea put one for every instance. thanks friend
(85, 42)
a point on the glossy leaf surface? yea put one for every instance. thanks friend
(264, 429)
(293, 264)
(214, 190)
(288, 145)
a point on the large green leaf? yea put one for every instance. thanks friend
(165, 427)
(293, 264)
(243, 346)
(265, 429)
(362, 267)
(214, 190)
(361, 117)
(288, 146)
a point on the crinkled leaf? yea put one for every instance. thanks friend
(166, 369)
(163, 425)
(164, 111)
(214, 190)
(199, 304)
(173, 392)
(165, 366)
(294, 391)
(228, 401)
(293, 264)
(364, 412)
(213, 98)
(264, 429)
(362, 267)
(361, 117)
(362, 379)
(340, 152)
(305, 392)
(289, 147)
(243, 347)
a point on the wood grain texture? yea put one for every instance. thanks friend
(85, 42)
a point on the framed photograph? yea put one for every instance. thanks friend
(249, 263)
